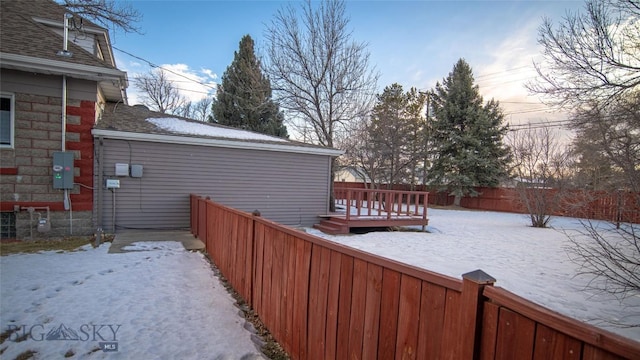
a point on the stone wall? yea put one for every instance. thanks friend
(26, 175)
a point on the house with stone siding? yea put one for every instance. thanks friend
(52, 92)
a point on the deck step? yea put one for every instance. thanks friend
(335, 223)
(332, 227)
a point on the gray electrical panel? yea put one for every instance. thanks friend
(63, 170)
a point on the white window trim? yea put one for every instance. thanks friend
(12, 99)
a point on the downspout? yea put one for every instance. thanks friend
(67, 196)
(99, 187)
(65, 53)
(64, 112)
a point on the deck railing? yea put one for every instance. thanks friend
(385, 203)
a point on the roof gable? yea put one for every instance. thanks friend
(31, 38)
(23, 34)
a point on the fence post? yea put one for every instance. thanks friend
(253, 258)
(471, 307)
(193, 214)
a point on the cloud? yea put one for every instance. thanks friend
(193, 85)
(510, 67)
(209, 73)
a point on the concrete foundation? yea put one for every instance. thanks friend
(63, 223)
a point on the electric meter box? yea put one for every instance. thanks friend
(63, 170)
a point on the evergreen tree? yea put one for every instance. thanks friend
(243, 100)
(394, 132)
(467, 136)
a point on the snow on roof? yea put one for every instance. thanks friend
(191, 128)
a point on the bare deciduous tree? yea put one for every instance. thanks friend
(199, 110)
(159, 93)
(318, 73)
(592, 67)
(541, 170)
(360, 153)
(202, 109)
(611, 256)
(108, 13)
(590, 56)
(614, 129)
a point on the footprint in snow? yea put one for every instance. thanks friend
(43, 319)
(33, 309)
(104, 272)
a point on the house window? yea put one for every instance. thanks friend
(7, 110)
(7, 225)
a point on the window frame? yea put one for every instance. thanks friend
(12, 122)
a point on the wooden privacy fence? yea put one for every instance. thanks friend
(323, 300)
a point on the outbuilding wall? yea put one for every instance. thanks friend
(290, 188)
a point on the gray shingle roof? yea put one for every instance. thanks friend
(21, 34)
(133, 119)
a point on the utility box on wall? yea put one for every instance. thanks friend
(136, 171)
(63, 170)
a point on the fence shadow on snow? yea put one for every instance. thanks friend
(323, 300)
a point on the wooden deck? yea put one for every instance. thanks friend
(363, 208)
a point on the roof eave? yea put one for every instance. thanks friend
(55, 67)
(114, 79)
(226, 143)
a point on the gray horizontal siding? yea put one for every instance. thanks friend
(47, 85)
(288, 188)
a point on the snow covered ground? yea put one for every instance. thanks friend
(530, 262)
(163, 302)
(158, 302)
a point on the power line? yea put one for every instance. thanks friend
(520, 102)
(164, 69)
(540, 125)
(525, 111)
(504, 71)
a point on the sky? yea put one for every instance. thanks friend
(413, 43)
